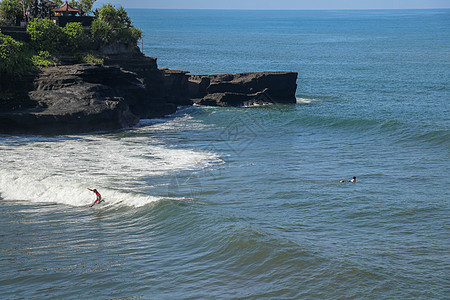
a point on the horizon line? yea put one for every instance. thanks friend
(287, 9)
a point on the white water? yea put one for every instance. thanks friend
(59, 170)
(301, 100)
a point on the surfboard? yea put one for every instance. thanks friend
(101, 203)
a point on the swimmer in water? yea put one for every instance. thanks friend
(352, 180)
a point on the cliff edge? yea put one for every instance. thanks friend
(82, 98)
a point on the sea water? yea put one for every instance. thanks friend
(246, 203)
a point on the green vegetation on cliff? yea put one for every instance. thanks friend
(114, 25)
(49, 41)
(15, 58)
(47, 36)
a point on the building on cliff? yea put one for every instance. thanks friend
(67, 13)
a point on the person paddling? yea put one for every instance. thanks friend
(99, 197)
(352, 180)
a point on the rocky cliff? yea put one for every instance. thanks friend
(82, 98)
(244, 89)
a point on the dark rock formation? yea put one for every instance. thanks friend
(14, 92)
(82, 98)
(244, 89)
(72, 99)
(176, 86)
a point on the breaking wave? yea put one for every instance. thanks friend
(61, 169)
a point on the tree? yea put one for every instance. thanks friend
(25, 4)
(32, 9)
(114, 25)
(84, 5)
(10, 11)
(102, 31)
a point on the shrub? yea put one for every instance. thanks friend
(14, 57)
(74, 37)
(88, 58)
(43, 59)
(45, 35)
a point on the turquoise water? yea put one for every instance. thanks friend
(246, 202)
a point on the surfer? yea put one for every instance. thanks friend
(99, 197)
(351, 180)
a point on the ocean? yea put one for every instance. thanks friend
(246, 203)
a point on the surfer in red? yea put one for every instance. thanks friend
(99, 197)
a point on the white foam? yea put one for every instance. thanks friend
(60, 170)
(305, 100)
(181, 123)
(179, 118)
(58, 190)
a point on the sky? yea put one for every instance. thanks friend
(279, 4)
